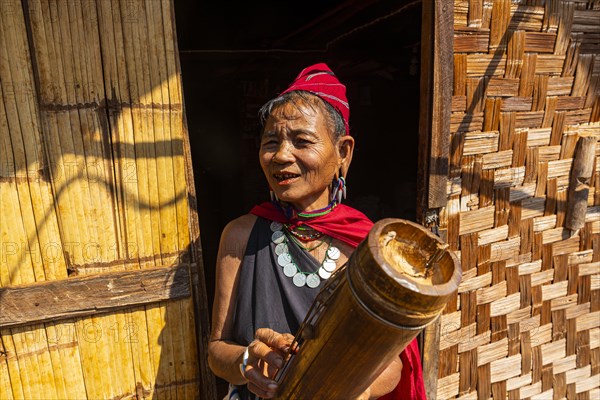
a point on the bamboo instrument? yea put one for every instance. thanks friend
(396, 282)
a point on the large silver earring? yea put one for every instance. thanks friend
(273, 195)
(339, 190)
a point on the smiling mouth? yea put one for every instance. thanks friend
(284, 176)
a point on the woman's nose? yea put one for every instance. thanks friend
(284, 153)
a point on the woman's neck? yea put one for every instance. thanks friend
(310, 205)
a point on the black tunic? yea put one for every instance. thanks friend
(266, 298)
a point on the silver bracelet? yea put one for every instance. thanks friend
(244, 363)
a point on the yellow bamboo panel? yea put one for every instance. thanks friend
(96, 183)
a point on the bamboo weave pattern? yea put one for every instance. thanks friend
(526, 320)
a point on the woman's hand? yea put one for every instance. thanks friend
(266, 355)
(386, 382)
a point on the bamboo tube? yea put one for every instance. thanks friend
(380, 302)
(579, 185)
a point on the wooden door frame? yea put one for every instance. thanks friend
(437, 34)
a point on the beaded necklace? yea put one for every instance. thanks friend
(290, 267)
(303, 233)
(290, 212)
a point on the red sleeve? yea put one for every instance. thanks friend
(411, 385)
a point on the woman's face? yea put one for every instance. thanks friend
(298, 155)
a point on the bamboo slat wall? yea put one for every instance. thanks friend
(526, 320)
(93, 180)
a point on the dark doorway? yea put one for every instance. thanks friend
(236, 57)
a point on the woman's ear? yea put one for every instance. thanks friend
(346, 149)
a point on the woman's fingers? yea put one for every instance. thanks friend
(266, 354)
(289, 338)
(260, 392)
(271, 371)
(258, 383)
(261, 351)
(277, 341)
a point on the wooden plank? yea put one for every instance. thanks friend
(91, 294)
(436, 81)
(434, 138)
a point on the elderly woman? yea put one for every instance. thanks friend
(272, 262)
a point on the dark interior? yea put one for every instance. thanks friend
(236, 56)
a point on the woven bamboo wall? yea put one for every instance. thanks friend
(526, 321)
(92, 180)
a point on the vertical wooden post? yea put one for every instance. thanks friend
(437, 34)
(436, 100)
(579, 183)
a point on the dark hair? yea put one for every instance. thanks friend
(334, 118)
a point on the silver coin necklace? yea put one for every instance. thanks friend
(291, 269)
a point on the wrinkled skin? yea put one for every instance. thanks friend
(298, 142)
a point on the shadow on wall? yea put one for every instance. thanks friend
(103, 148)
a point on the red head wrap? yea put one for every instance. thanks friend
(319, 80)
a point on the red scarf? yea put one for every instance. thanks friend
(343, 223)
(351, 226)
